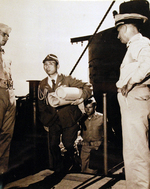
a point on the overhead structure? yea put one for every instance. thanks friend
(105, 56)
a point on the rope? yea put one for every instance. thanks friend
(42, 94)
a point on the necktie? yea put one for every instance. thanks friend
(53, 84)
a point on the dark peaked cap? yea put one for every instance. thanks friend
(135, 12)
(50, 57)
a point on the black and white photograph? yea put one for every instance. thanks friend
(74, 94)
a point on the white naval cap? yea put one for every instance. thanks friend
(4, 28)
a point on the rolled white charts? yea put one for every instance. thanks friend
(64, 96)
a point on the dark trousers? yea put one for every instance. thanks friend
(69, 135)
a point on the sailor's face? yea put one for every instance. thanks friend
(89, 109)
(50, 67)
(122, 34)
(3, 38)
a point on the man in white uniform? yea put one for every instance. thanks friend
(134, 99)
(7, 102)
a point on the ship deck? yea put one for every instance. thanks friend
(46, 179)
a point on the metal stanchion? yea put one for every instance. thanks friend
(105, 133)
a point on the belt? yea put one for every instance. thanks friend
(6, 84)
(95, 143)
(136, 86)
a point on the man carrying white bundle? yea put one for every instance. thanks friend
(63, 119)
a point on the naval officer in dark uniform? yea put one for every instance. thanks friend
(62, 120)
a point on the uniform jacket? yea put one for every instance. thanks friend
(136, 63)
(5, 67)
(67, 115)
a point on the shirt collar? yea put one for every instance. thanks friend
(134, 38)
(93, 115)
(50, 79)
(2, 50)
(55, 78)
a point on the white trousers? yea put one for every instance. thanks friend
(7, 122)
(135, 110)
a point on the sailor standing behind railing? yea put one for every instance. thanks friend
(62, 119)
(7, 102)
(92, 132)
